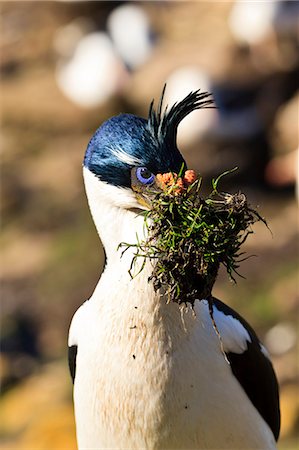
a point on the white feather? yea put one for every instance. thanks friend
(124, 157)
(234, 336)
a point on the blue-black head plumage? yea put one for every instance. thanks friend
(116, 142)
(125, 141)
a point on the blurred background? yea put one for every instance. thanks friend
(65, 68)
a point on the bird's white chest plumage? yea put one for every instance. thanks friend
(150, 376)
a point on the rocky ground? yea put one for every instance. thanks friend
(51, 256)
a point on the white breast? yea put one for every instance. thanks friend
(149, 376)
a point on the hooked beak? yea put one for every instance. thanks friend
(144, 194)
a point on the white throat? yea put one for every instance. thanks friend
(115, 214)
(116, 217)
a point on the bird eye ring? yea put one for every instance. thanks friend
(144, 175)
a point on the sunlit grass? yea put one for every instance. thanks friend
(190, 236)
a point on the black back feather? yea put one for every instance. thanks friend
(163, 125)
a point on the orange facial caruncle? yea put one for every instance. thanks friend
(167, 180)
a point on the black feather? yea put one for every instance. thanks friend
(163, 126)
(255, 373)
(72, 355)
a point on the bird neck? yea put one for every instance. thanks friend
(118, 230)
(122, 292)
(116, 223)
(121, 302)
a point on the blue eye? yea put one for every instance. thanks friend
(144, 175)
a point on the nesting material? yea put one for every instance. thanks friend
(190, 236)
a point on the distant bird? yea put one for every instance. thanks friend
(251, 22)
(93, 73)
(94, 65)
(132, 34)
(147, 374)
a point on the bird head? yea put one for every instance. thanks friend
(127, 152)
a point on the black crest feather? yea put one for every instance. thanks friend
(163, 125)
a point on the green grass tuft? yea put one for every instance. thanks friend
(190, 236)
